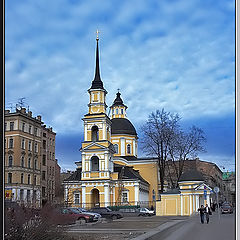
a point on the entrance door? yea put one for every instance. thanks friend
(201, 200)
(95, 197)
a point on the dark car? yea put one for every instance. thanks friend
(226, 208)
(107, 212)
(96, 216)
(74, 216)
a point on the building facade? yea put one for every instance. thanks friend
(30, 162)
(23, 157)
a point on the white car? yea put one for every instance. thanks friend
(145, 212)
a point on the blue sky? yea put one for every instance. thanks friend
(173, 54)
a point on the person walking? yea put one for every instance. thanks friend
(202, 211)
(207, 213)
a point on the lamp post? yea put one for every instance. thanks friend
(216, 190)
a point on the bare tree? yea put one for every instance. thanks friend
(158, 132)
(184, 145)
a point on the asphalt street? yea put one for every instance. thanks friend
(221, 229)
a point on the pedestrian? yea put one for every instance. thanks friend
(202, 211)
(207, 213)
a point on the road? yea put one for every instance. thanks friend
(192, 229)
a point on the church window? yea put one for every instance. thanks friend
(129, 149)
(121, 111)
(94, 163)
(77, 198)
(117, 111)
(125, 196)
(95, 133)
(112, 111)
(116, 148)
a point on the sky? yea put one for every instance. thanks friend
(178, 55)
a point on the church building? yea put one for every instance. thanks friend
(110, 173)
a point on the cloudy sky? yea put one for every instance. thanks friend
(177, 55)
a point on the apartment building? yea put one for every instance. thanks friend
(30, 164)
(22, 157)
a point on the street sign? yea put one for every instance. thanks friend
(216, 189)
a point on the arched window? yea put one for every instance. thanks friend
(10, 161)
(22, 178)
(22, 161)
(29, 162)
(28, 178)
(121, 111)
(129, 149)
(116, 148)
(35, 164)
(95, 134)
(117, 111)
(94, 163)
(35, 180)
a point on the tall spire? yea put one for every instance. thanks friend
(97, 82)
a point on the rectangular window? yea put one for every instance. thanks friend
(43, 191)
(23, 144)
(44, 160)
(35, 164)
(23, 126)
(29, 179)
(22, 178)
(9, 177)
(10, 143)
(28, 195)
(50, 170)
(29, 162)
(36, 147)
(30, 129)
(11, 126)
(35, 131)
(77, 198)
(29, 145)
(43, 175)
(125, 197)
(21, 194)
(44, 144)
(44, 135)
(5, 126)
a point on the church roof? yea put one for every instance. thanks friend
(129, 173)
(191, 175)
(122, 126)
(97, 82)
(118, 101)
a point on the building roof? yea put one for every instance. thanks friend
(122, 126)
(172, 191)
(129, 173)
(97, 82)
(191, 175)
(76, 176)
(118, 101)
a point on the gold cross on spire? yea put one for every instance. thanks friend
(97, 34)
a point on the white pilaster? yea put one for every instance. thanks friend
(194, 207)
(197, 202)
(104, 131)
(181, 197)
(85, 132)
(83, 196)
(190, 204)
(123, 146)
(66, 193)
(83, 162)
(136, 188)
(14, 192)
(208, 200)
(106, 195)
(134, 146)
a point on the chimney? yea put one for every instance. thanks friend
(23, 110)
(30, 113)
(39, 118)
(7, 111)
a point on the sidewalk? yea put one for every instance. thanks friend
(192, 229)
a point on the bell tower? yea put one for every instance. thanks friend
(97, 150)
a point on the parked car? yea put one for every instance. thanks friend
(226, 208)
(129, 212)
(75, 216)
(107, 213)
(145, 212)
(96, 216)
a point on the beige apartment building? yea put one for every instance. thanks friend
(29, 159)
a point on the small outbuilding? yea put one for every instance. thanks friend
(184, 201)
